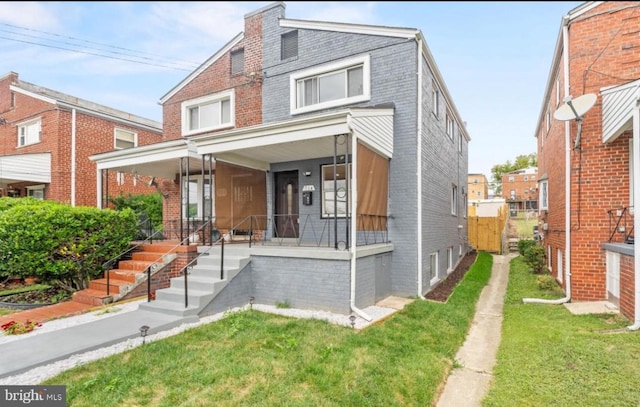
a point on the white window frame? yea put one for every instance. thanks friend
(433, 268)
(325, 70)
(460, 141)
(327, 197)
(454, 199)
(29, 138)
(197, 196)
(549, 252)
(36, 191)
(117, 135)
(544, 195)
(450, 126)
(435, 98)
(219, 97)
(449, 259)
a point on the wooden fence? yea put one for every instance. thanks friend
(488, 233)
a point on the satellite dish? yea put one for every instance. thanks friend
(576, 108)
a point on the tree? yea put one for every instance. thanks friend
(522, 161)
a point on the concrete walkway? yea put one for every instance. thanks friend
(466, 386)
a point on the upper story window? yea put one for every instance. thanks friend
(289, 45)
(332, 85)
(30, 133)
(460, 140)
(454, 199)
(449, 126)
(237, 61)
(511, 178)
(435, 98)
(207, 113)
(548, 119)
(544, 195)
(124, 139)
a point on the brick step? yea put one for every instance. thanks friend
(92, 297)
(147, 256)
(100, 284)
(134, 264)
(131, 276)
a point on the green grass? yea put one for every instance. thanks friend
(25, 289)
(550, 357)
(252, 358)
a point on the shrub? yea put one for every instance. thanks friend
(546, 282)
(61, 244)
(524, 244)
(535, 258)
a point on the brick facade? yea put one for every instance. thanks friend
(599, 57)
(94, 133)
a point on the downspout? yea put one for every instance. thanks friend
(354, 203)
(567, 186)
(419, 171)
(73, 157)
(636, 219)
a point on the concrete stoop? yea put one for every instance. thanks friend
(203, 284)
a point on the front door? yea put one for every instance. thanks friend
(286, 204)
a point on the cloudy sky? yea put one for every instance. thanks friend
(494, 56)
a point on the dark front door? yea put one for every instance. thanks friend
(286, 205)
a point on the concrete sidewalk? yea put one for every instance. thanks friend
(466, 386)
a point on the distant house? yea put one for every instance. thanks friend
(47, 138)
(478, 187)
(589, 162)
(330, 156)
(520, 190)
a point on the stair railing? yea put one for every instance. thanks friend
(620, 225)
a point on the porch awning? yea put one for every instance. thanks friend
(618, 103)
(25, 168)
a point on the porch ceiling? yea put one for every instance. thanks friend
(618, 103)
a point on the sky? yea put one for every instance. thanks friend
(494, 57)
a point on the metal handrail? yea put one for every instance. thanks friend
(616, 228)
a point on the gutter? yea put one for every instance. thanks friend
(636, 219)
(73, 157)
(567, 186)
(419, 172)
(353, 231)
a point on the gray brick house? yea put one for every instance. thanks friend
(337, 158)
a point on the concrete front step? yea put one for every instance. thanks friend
(169, 307)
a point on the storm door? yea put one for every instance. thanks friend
(286, 204)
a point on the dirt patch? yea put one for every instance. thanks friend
(443, 290)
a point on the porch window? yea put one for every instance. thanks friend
(29, 133)
(208, 113)
(196, 208)
(334, 194)
(331, 85)
(36, 191)
(124, 139)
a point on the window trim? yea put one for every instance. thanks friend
(323, 213)
(363, 60)
(216, 97)
(27, 124)
(40, 187)
(436, 277)
(450, 126)
(198, 180)
(543, 197)
(115, 138)
(454, 199)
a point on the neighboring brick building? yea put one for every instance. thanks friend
(586, 165)
(309, 122)
(520, 190)
(47, 138)
(478, 187)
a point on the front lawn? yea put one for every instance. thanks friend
(251, 358)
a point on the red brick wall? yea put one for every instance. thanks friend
(524, 190)
(627, 287)
(599, 56)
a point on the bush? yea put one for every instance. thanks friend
(60, 244)
(524, 244)
(535, 258)
(547, 282)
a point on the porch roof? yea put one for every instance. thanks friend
(259, 146)
(618, 103)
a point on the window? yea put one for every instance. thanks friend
(548, 116)
(124, 139)
(36, 191)
(449, 259)
(544, 196)
(454, 199)
(449, 126)
(475, 180)
(289, 45)
(479, 193)
(526, 178)
(460, 251)
(511, 178)
(208, 113)
(237, 61)
(460, 140)
(433, 267)
(435, 96)
(332, 85)
(29, 133)
(533, 178)
(195, 208)
(466, 205)
(334, 203)
(549, 258)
